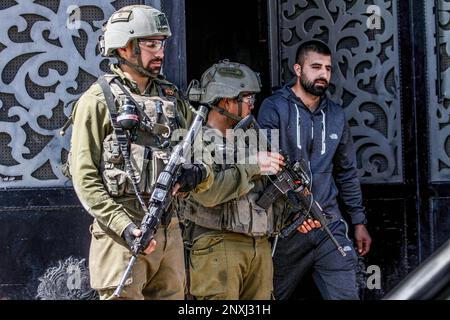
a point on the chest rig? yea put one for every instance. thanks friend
(134, 156)
(241, 215)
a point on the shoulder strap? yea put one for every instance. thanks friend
(109, 97)
(121, 136)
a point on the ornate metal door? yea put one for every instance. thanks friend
(379, 78)
(436, 130)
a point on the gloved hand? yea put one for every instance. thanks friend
(131, 232)
(128, 234)
(191, 176)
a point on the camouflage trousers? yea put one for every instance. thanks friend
(159, 275)
(230, 266)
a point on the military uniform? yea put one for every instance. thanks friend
(227, 233)
(105, 191)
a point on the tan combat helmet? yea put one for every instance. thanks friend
(130, 23)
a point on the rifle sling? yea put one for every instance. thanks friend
(122, 138)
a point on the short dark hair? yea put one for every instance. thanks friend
(311, 46)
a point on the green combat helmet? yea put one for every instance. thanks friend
(224, 80)
(129, 24)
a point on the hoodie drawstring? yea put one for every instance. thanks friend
(299, 143)
(324, 146)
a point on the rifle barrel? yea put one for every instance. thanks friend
(124, 278)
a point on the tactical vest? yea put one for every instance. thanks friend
(147, 156)
(241, 215)
(149, 149)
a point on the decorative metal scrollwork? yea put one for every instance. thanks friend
(48, 57)
(67, 281)
(364, 42)
(438, 73)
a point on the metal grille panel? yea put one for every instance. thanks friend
(48, 58)
(438, 71)
(363, 37)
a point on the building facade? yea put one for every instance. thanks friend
(391, 73)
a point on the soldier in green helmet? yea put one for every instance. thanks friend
(226, 232)
(129, 116)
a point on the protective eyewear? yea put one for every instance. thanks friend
(249, 99)
(153, 45)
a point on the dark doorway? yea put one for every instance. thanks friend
(234, 30)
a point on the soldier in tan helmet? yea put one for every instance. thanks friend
(135, 124)
(226, 232)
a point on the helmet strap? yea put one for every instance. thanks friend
(136, 67)
(239, 100)
(137, 52)
(240, 108)
(140, 66)
(227, 114)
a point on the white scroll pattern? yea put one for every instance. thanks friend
(47, 57)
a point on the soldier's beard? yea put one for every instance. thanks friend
(311, 87)
(155, 70)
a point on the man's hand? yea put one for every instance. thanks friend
(191, 176)
(363, 239)
(308, 225)
(131, 232)
(270, 162)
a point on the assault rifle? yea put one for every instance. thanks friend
(162, 194)
(294, 183)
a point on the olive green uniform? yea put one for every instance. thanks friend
(228, 234)
(161, 274)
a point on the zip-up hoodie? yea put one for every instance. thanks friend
(322, 138)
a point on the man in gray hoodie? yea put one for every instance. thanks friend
(314, 128)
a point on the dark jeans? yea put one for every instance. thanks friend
(333, 274)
